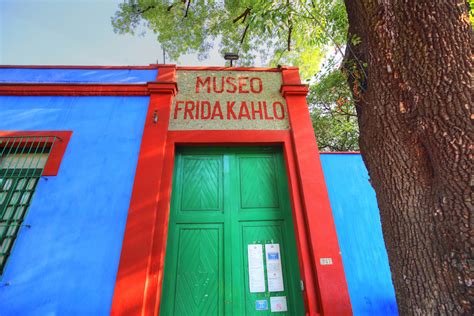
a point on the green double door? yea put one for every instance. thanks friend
(231, 247)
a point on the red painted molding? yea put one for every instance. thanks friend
(331, 282)
(261, 69)
(163, 87)
(53, 89)
(152, 66)
(228, 138)
(58, 147)
(291, 76)
(26, 89)
(294, 89)
(138, 276)
(340, 153)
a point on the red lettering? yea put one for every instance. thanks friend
(207, 81)
(230, 110)
(205, 105)
(243, 107)
(196, 117)
(282, 110)
(265, 111)
(217, 111)
(188, 109)
(254, 111)
(242, 84)
(231, 81)
(259, 85)
(177, 108)
(214, 84)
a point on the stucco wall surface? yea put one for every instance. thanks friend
(66, 263)
(359, 233)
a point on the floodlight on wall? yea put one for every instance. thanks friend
(231, 57)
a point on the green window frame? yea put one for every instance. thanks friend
(22, 161)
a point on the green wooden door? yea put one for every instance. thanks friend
(227, 203)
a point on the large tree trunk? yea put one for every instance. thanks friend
(411, 79)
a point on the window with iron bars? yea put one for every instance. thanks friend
(22, 160)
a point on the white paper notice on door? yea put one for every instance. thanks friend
(256, 271)
(278, 304)
(274, 271)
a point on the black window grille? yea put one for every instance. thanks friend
(22, 160)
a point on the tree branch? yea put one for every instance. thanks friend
(312, 17)
(187, 9)
(245, 32)
(242, 16)
(140, 12)
(290, 24)
(290, 29)
(171, 6)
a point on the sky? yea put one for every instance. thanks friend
(76, 32)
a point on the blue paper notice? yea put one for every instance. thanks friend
(261, 305)
(272, 256)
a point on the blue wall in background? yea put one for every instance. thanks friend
(359, 232)
(66, 263)
(31, 75)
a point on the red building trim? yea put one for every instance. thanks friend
(135, 278)
(228, 68)
(340, 153)
(52, 89)
(333, 292)
(140, 275)
(152, 66)
(58, 146)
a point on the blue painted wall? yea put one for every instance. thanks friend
(66, 263)
(31, 75)
(359, 232)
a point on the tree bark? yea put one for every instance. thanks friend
(412, 85)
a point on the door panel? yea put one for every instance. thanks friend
(199, 279)
(223, 200)
(202, 184)
(258, 187)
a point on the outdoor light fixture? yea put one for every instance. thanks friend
(231, 57)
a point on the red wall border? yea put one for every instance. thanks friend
(252, 138)
(57, 150)
(332, 287)
(79, 89)
(136, 280)
(151, 66)
(140, 274)
(340, 153)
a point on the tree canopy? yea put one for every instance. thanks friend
(299, 33)
(289, 32)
